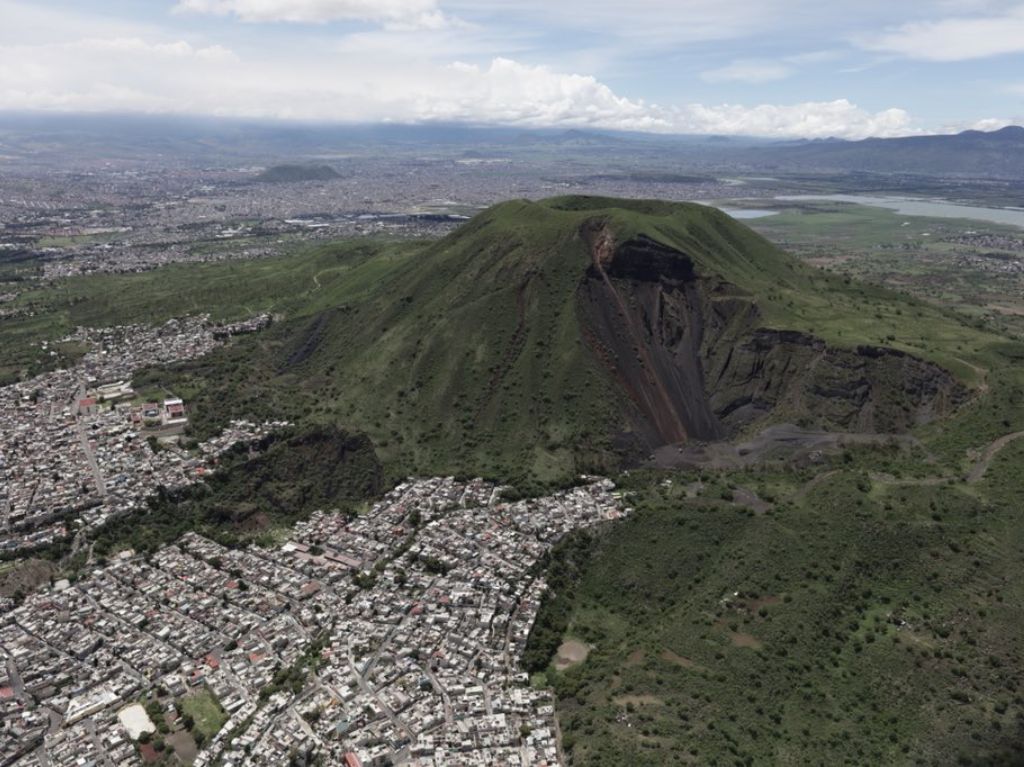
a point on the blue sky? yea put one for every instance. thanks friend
(757, 67)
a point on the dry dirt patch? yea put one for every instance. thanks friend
(740, 639)
(679, 660)
(571, 653)
(25, 576)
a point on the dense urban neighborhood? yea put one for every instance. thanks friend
(222, 351)
(394, 637)
(78, 446)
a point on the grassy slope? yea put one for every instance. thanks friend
(437, 368)
(418, 355)
(421, 346)
(469, 357)
(808, 664)
(227, 291)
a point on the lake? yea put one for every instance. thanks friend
(741, 213)
(908, 206)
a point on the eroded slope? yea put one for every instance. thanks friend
(694, 359)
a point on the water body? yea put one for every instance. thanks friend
(909, 206)
(742, 213)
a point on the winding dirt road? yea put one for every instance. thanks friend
(977, 471)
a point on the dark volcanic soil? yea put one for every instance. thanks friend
(782, 443)
(692, 357)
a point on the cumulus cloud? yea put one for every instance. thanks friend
(509, 92)
(813, 119)
(957, 38)
(987, 124)
(138, 46)
(175, 76)
(417, 13)
(748, 71)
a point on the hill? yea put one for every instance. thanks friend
(996, 154)
(574, 334)
(855, 618)
(291, 173)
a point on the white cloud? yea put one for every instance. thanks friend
(987, 124)
(369, 85)
(648, 23)
(814, 57)
(748, 71)
(813, 119)
(138, 46)
(509, 92)
(956, 38)
(415, 13)
(33, 22)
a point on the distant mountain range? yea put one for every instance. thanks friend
(56, 139)
(999, 154)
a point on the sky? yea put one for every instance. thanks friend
(777, 68)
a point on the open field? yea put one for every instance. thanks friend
(965, 265)
(205, 711)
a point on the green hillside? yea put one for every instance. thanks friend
(293, 173)
(542, 339)
(502, 350)
(862, 607)
(859, 619)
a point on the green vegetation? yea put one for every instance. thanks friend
(292, 173)
(230, 290)
(867, 613)
(473, 355)
(470, 355)
(296, 473)
(854, 623)
(202, 713)
(956, 264)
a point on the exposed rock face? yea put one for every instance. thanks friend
(869, 389)
(695, 361)
(643, 314)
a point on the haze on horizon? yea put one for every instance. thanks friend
(774, 68)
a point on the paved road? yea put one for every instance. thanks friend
(368, 690)
(449, 714)
(83, 438)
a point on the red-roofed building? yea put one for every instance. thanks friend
(351, 760)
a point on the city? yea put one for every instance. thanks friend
(390, 638)
(462, 383)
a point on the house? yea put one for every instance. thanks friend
(173, 411)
